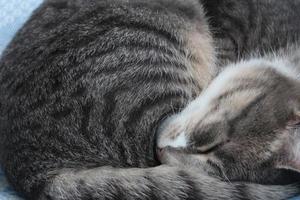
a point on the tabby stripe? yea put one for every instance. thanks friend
(159, 49)
(85, 41)
(140, 46)
(123, 67)
(85, 120)
(130, 65)
(244, 113)
(242, 192)
(253, 14)
(110, 104)
(138, 64)
(239, 25)
(118, 21)
(153, 187)
(166, 36)
(147, 104)
(123, 156)
(92, 37)
(234, 42)
(193, 191)
(105, 36)
(74, 26)
(118, 193)
(162, 78)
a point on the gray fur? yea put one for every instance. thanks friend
(162, 182)
(85, 84)
(241, 27)
(83, 87)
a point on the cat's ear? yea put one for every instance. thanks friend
(289, 151)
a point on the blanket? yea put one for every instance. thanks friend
(13, 14)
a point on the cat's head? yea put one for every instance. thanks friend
(245, 126)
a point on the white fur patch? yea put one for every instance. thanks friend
(179, 141)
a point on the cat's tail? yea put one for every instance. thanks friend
(162, 182)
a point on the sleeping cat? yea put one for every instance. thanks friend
(245, 125)
(83, 88)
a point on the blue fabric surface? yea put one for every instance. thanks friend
(13, 14)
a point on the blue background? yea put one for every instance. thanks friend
(13, 13)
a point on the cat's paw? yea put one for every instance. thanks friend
(193, 130)
(171, 133)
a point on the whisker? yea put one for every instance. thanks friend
(220, 169)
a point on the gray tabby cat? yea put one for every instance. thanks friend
(83, 88)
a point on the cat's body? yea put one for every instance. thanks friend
(83, 87)
(85, 84)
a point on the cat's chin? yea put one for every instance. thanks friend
(159, 154)
(169, 155)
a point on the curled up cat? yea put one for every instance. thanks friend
(84, 86)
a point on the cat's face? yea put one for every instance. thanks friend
(243, 126)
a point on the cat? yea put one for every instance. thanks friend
(84, 86)
(245, 126)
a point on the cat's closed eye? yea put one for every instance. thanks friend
(212, 148)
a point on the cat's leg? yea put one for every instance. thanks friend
(163, 182)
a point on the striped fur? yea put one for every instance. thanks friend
(162, 182)
(91, 82)
(83, 87)
(240, 27)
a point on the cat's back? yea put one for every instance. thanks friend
(86, 83)
(241, 28)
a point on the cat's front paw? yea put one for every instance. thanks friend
(171, 133)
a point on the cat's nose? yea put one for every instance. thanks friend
(159, 153)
